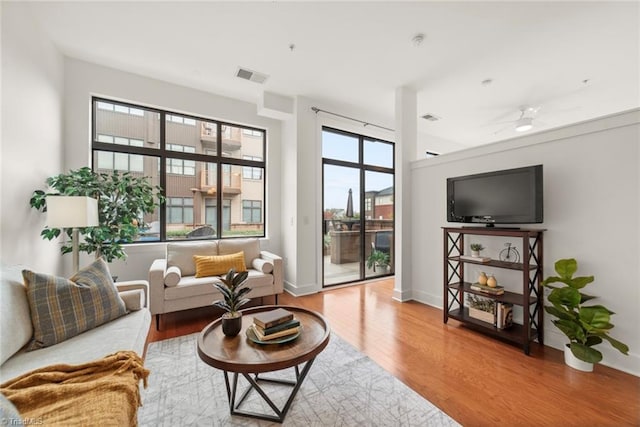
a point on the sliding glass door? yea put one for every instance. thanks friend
(358, 207)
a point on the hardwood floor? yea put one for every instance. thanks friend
(475, 379)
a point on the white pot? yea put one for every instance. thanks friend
(574, 362)
(475, 254)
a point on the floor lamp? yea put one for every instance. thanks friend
(72, 212)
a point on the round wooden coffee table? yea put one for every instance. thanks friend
(241, 356)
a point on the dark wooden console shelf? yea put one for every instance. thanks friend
(530, 298)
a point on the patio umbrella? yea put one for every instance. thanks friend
(349, 213)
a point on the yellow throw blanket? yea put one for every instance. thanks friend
(104, 392)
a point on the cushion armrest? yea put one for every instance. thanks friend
(132, 285)
(156, 285)
(134, 299)
(277, 270)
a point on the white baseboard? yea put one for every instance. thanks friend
(611, 357)
(300, 290)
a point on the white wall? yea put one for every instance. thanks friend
(82, 80)
(433, 144)
(591, 210)
(32, 144)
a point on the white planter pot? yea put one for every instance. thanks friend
(475, 254)
(574, 362)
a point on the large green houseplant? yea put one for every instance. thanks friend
(585, 326)
(123, 200)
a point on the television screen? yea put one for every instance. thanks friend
(512, 196)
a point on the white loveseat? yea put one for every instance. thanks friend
(128, 332)
(174, 287)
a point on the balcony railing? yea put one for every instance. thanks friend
(232, 182)
(231, 137)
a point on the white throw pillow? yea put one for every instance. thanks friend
(172, 276)
(262, 265)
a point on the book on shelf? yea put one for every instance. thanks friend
(279, 334)
(504, 315)
(267, 319)
(277, 328)
(498, 290)
(475, 258)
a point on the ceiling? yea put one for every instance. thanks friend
(574, 60)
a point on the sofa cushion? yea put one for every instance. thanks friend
(134, 299)
(262, 265)
(15, 320)
(258, 278)
(127, 332)
(190, 286)
(62, 308)
(218, 265)
(172, 276)
(250, 247)
(181, 254)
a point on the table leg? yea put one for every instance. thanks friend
(232, 390)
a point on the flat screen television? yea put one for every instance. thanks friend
(511, 196)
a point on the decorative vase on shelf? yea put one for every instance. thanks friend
(475, 254)
(492, 282)
(482, 278)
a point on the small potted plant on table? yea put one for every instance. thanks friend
(233, 291)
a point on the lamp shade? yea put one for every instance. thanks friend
(71, 211)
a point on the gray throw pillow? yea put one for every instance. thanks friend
(62, 308)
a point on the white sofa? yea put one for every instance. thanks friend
(174, 287)
(128, 332)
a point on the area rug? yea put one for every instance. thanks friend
(343, 388)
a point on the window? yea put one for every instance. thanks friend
(120, 161)
(251, 132)
(358, 207)
(120, 108)
(210, 171)
(252, 173)
(252, 211)
(178, 166)
(179, 210)
(180, 119)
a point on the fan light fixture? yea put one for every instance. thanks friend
(524, 124)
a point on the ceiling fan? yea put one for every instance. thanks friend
(525, 121)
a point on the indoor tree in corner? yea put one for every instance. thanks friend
(123, 200)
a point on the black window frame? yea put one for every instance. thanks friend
(363, 168)
(162, 154)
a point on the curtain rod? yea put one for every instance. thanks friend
(318, 110)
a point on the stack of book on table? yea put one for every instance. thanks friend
(274, 324)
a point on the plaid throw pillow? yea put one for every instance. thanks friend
(62, 308)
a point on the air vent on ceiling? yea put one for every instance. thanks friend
(431, 117)
(252, 76)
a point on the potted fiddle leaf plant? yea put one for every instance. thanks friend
(585, 325)
(233, 290)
